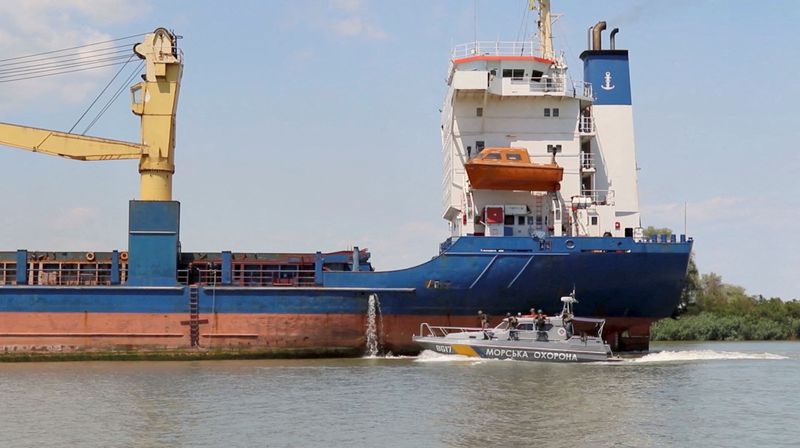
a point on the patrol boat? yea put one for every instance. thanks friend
(532, 339)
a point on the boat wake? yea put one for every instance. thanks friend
(702, 355)
(431, 356)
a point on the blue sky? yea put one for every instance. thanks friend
(313, 125)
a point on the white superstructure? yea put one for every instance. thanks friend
(502, 95)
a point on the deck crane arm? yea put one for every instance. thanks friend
(70, 146)
(155, 100)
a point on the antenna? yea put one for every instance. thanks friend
(475, 21)
(685, 212)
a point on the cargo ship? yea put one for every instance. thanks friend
(539, 192)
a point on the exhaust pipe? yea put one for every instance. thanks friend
(613, 40)
(589, 37)
(597, 43)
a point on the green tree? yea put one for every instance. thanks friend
(692, 285)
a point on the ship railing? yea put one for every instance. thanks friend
(196, 276)
(61, 276)
(426, 329)
(552, 85)
(496, 48)
(585, 87)
(542, 84)
(587, 161)
(586, 125)
(600, 197)
(8, 276)
(249, 276)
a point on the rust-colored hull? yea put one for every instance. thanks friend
(79, 335)
(490, 175)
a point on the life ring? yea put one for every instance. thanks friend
(562, 332)
(90, 256)
(123, 256)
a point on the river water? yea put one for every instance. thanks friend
(709, 394)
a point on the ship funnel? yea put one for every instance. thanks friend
(612, 36)
(597, 43)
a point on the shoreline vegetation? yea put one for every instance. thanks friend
(712, 310)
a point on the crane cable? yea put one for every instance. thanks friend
(74, 56)
(100, 94)
(115, 96)
(73, 48)
(66, 60)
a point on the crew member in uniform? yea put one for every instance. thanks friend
(541, 334)
(512, 327)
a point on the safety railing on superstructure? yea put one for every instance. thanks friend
(587, 161)
(556, 85)
(497, 48)
(601, 197)
(586, 125)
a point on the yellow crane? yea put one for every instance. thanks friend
(545, 26)
(155, 100)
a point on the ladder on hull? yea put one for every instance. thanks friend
(194, 321)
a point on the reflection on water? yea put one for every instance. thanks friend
(724, 394)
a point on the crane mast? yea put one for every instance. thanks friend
(155, 100)
(545, 27)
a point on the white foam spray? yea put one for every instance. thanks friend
(702, 355)
(432, 356)
(374, 325)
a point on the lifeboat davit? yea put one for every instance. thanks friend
(512, 169)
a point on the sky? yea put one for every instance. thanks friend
(314, 125)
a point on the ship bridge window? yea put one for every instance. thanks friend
(536, 75)
(513, 73)
(513, 157)
(492, 156)
(508, 220)
(551, 112)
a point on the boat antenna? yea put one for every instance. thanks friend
(545, 27)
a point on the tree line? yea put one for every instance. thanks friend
(712, 310)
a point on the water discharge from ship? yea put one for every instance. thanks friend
(374, 326)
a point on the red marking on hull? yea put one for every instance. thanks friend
(312, 333)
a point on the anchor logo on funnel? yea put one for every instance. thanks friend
(607, 82)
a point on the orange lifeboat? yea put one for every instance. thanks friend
(512, 169)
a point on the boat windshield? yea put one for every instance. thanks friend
(502, 326)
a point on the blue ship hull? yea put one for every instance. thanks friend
(631, 283)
